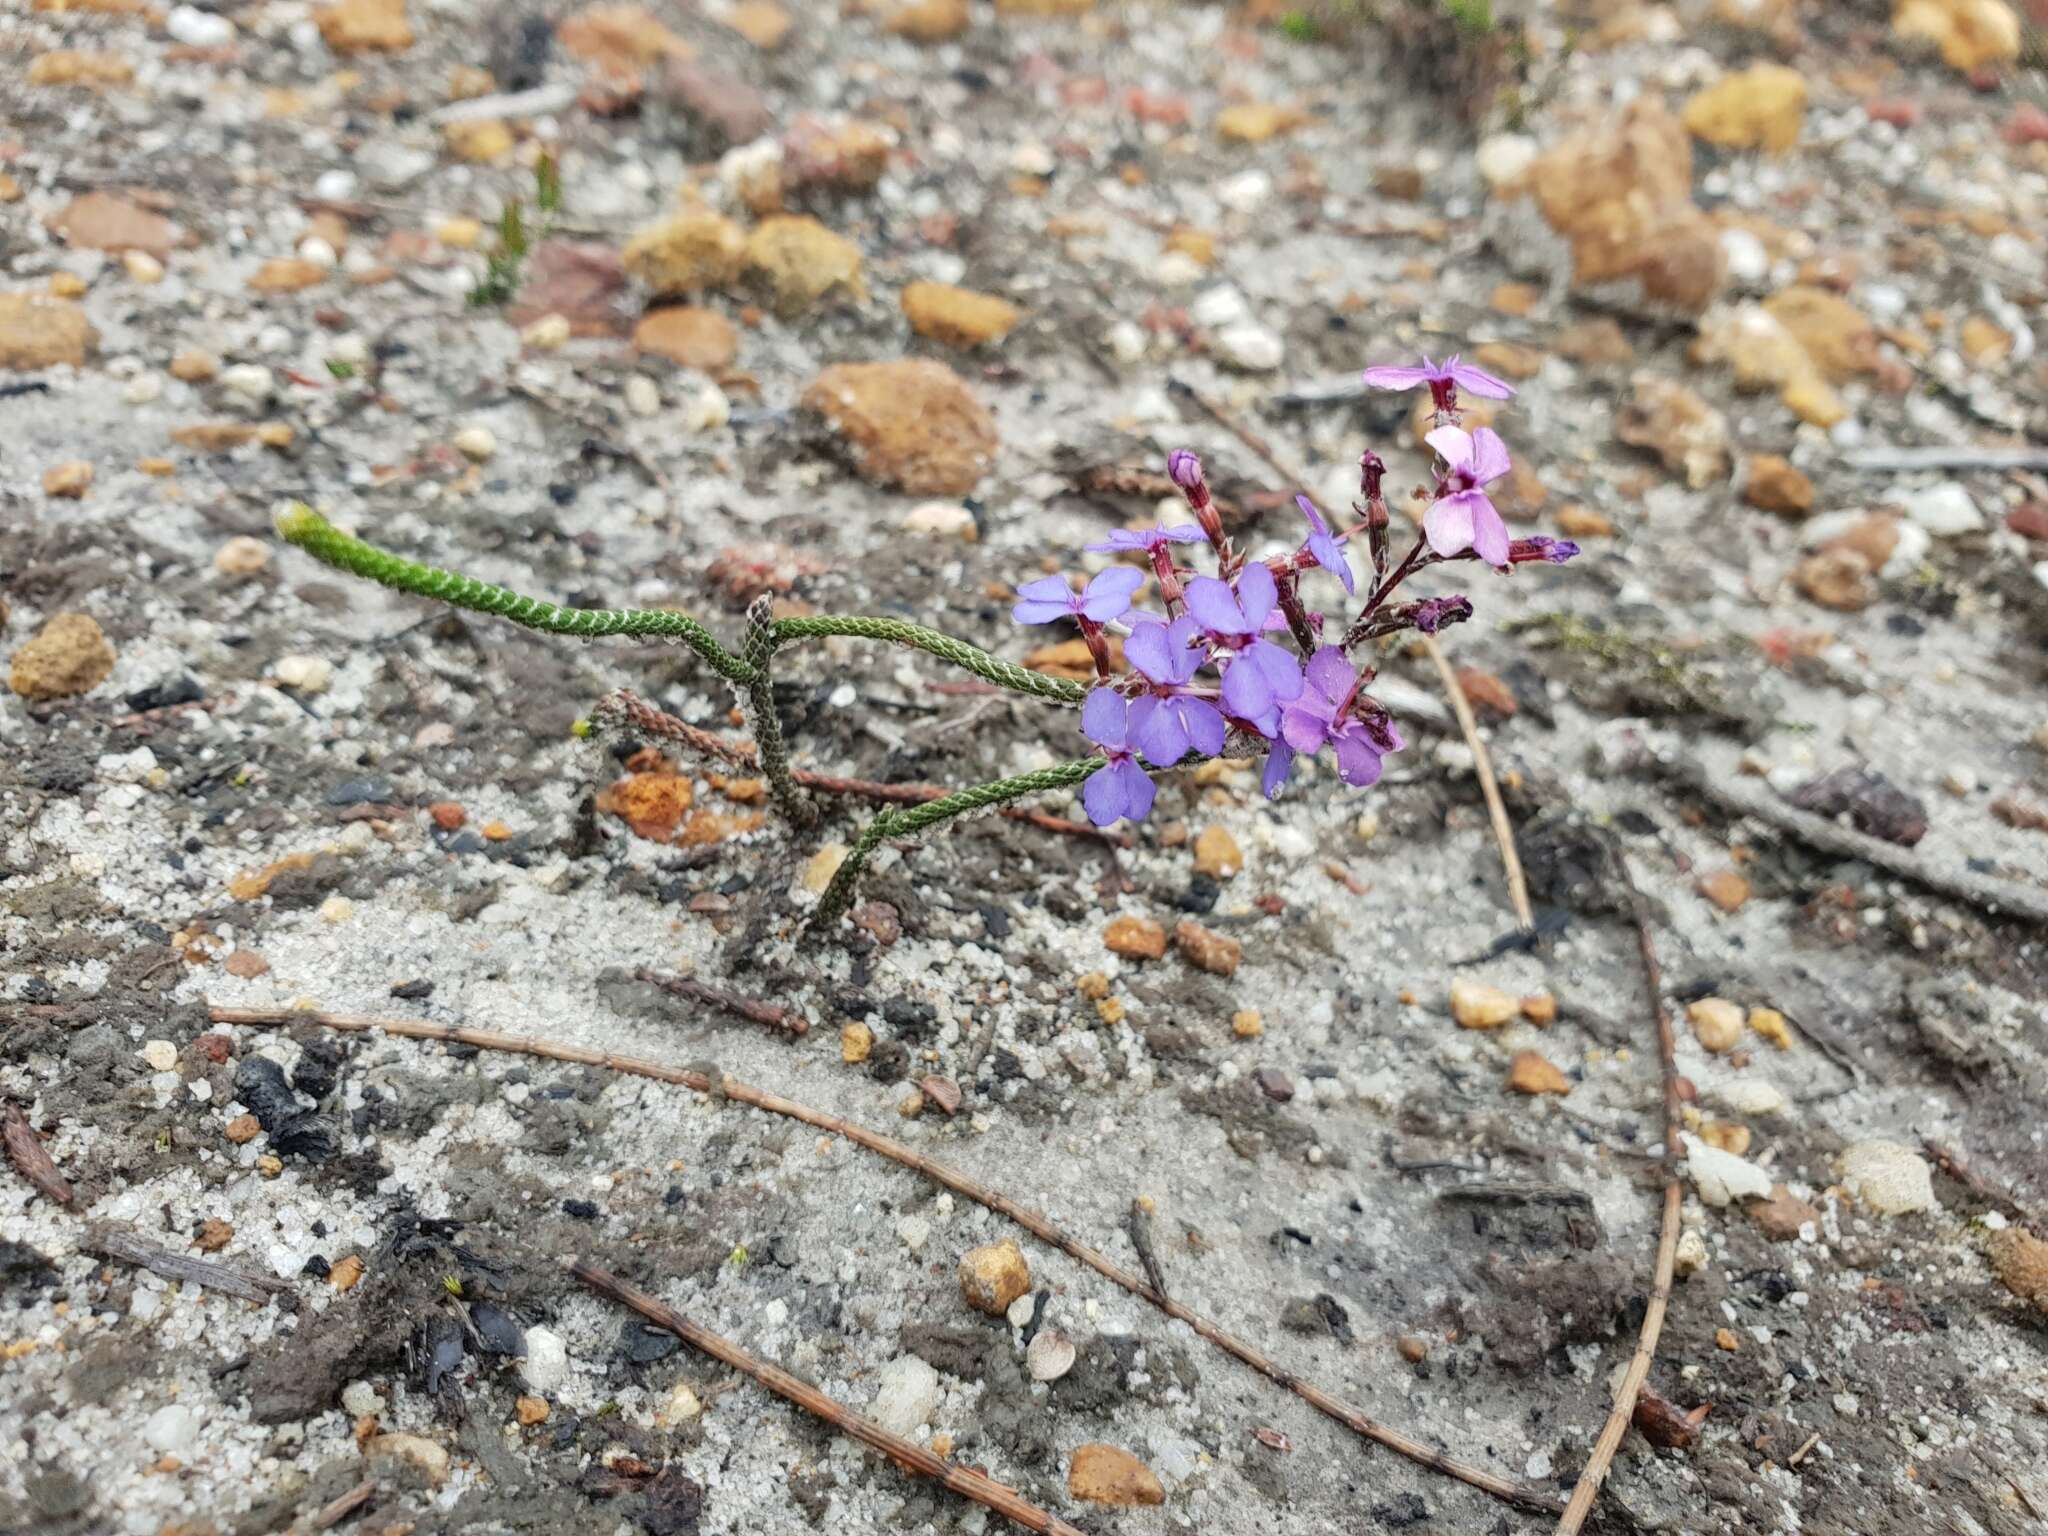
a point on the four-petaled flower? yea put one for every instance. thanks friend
(1123, 540)
(1168, 658)
(1260, 677)
(1108, 596)
(1120, 787)
(1462, 517)
(1322, 544)
(1322, 712)
(1444, 379)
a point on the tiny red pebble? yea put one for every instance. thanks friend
(2027, 125)
(1270, 904)
(2029, 520)
(1687, 1093)
(215, 1048)
(448, 816)
(1900, 114)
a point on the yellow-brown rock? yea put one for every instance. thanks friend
(71, 66)
(1971, 34)
(993, 1276)
(928, 21)
(1833, 332)
(1775, 484)
(37, 331)
(1533, 1073)
(701, 339)
(1217, 854)
(1108, 1474)
(365, 26)
(1475, 1005)
(687, 253)
(1135, 938)
(68, 481)
(801, 261)
(66, 657)
(2021, 1260)
(958, 317)
(1757, 108)
(100, 221)
(478, 140)
(1621, 193)
(912, 424)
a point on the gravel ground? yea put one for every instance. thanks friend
(243, 780)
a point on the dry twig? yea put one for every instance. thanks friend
(1316, 1397)
(1667, 1239)
(912, 1457)
(1482, 764)
(26, 1150)
(129, 1249)
(785, 1019)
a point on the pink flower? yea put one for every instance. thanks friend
(1444, 380)
(1462, 517)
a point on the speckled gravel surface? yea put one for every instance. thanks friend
(260, 785)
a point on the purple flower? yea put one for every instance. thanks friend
(1050, 598)
(1120, 787)
(1322, 713)
(1184, 468)
(1229, 614)
(1167, 656)
(1323, 544)
(1121, 540)
(1261, 676)
(1556, 551)
(1462, 517)
(1444, 380)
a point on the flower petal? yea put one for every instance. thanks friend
(1036, 611)
(1489, 456)
(1330, 675)
(1448, 523)
(1330, 556)
(1315, 518)
(1489, 533)
(1109, 593)
(1279, 764)
(1140, 716)
(1357, 762)
(1215, 607)
(1246, 697)
(1134, 789)
(1453, 445)
(1102, 796)
(1149, 648)
(1257, 592)
(1476, 382)
(1398, 378)
(1105, 716)
(1304, 726)
(1162, 736)
(1204, 723)
(1280, 672)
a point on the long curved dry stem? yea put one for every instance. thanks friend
(1325, 1402)
(1638, 1371)
(1489, 786)
(912, 1457)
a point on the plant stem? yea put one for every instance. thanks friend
(1004, 674)
(894, 823)
(760, 659)
(301, 525)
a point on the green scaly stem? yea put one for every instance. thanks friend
(1004, 674)
(767, 724)
(913, 819)
(302, 526)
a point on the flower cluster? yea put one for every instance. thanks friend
(1214, 674)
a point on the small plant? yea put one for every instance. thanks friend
(516, 238)
(1237, 665)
